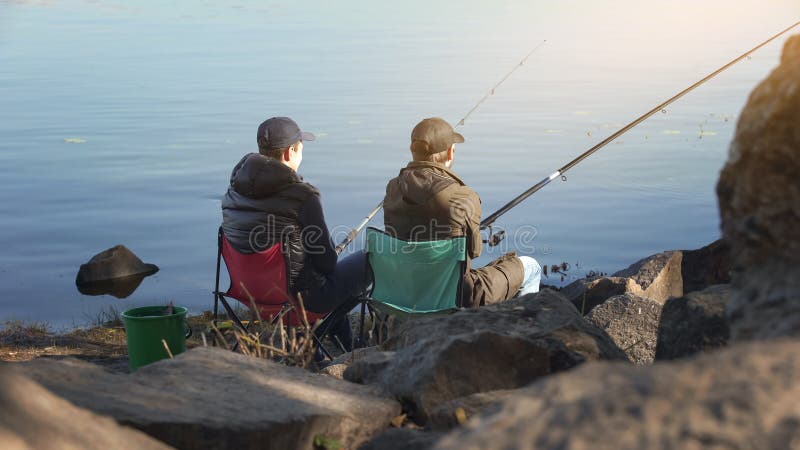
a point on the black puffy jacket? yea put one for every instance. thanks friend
(268, 202)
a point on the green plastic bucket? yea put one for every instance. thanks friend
(145, 327)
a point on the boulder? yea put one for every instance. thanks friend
(31, 417)
(759, 201)
(706, 266)
(738, 398)
(340, 363)
(694, 323)
(453, 413)
(402, 439)
(209, 398)
(116, 271)
(632, 322)
(586, 293)
(657, 277)
(433, 360)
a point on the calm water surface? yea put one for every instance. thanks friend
(120, 123)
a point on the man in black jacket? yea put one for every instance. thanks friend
(268, 202)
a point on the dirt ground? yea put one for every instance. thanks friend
(101, 344)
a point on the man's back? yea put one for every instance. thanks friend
(427, 201)
(268, 203)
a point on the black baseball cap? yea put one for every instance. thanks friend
(434, 135)
(280, 132)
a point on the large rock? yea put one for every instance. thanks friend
(340, 363)
(694, 323)
(586, 293)
(657, 277)
(737, 398)
(433, 360)
(453, 413)
(759, 200)
(115, 271)
(402, 439)
(632, 322)
(210, 398)
(31, 417)
(706, 266)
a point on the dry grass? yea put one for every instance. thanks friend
(269, 339)
(103, 342)
(24, 342)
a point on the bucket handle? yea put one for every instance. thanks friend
(188, 328)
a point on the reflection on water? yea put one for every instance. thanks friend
(118, 287)
(120, 123)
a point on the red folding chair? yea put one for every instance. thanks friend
(259, 278)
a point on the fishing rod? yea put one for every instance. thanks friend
(355, 231)
(487, 222)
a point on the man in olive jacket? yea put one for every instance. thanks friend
(427, 201)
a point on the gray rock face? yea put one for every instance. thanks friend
(737, 398)
(587, 293)
(759, 200)
(31, 417)
(632, 322)
(446, 415)
(210, 398)
(339, 364)
(706, 266)
(657, 277)
(433, 360)
(694, 323)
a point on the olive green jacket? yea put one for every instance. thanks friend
(427, 201)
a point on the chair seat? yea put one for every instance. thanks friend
(403, 315)
(260, 278)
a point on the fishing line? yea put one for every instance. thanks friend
(487, 223)
(354, 232)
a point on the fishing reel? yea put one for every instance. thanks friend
(494, 239)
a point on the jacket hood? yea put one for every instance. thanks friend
(257, 176)
(420, 181)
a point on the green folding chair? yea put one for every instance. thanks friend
(413, 278)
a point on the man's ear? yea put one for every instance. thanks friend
(287, 154)
(451, 152)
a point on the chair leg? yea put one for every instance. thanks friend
(232, 314)
(361, 330)
(216, 284)
(322, 347)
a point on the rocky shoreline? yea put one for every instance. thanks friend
(682, 350)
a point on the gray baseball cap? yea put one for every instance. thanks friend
(280, 132)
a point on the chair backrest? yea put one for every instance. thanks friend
(416, 277)
(262, 276)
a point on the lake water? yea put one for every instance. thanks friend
(120, 123)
